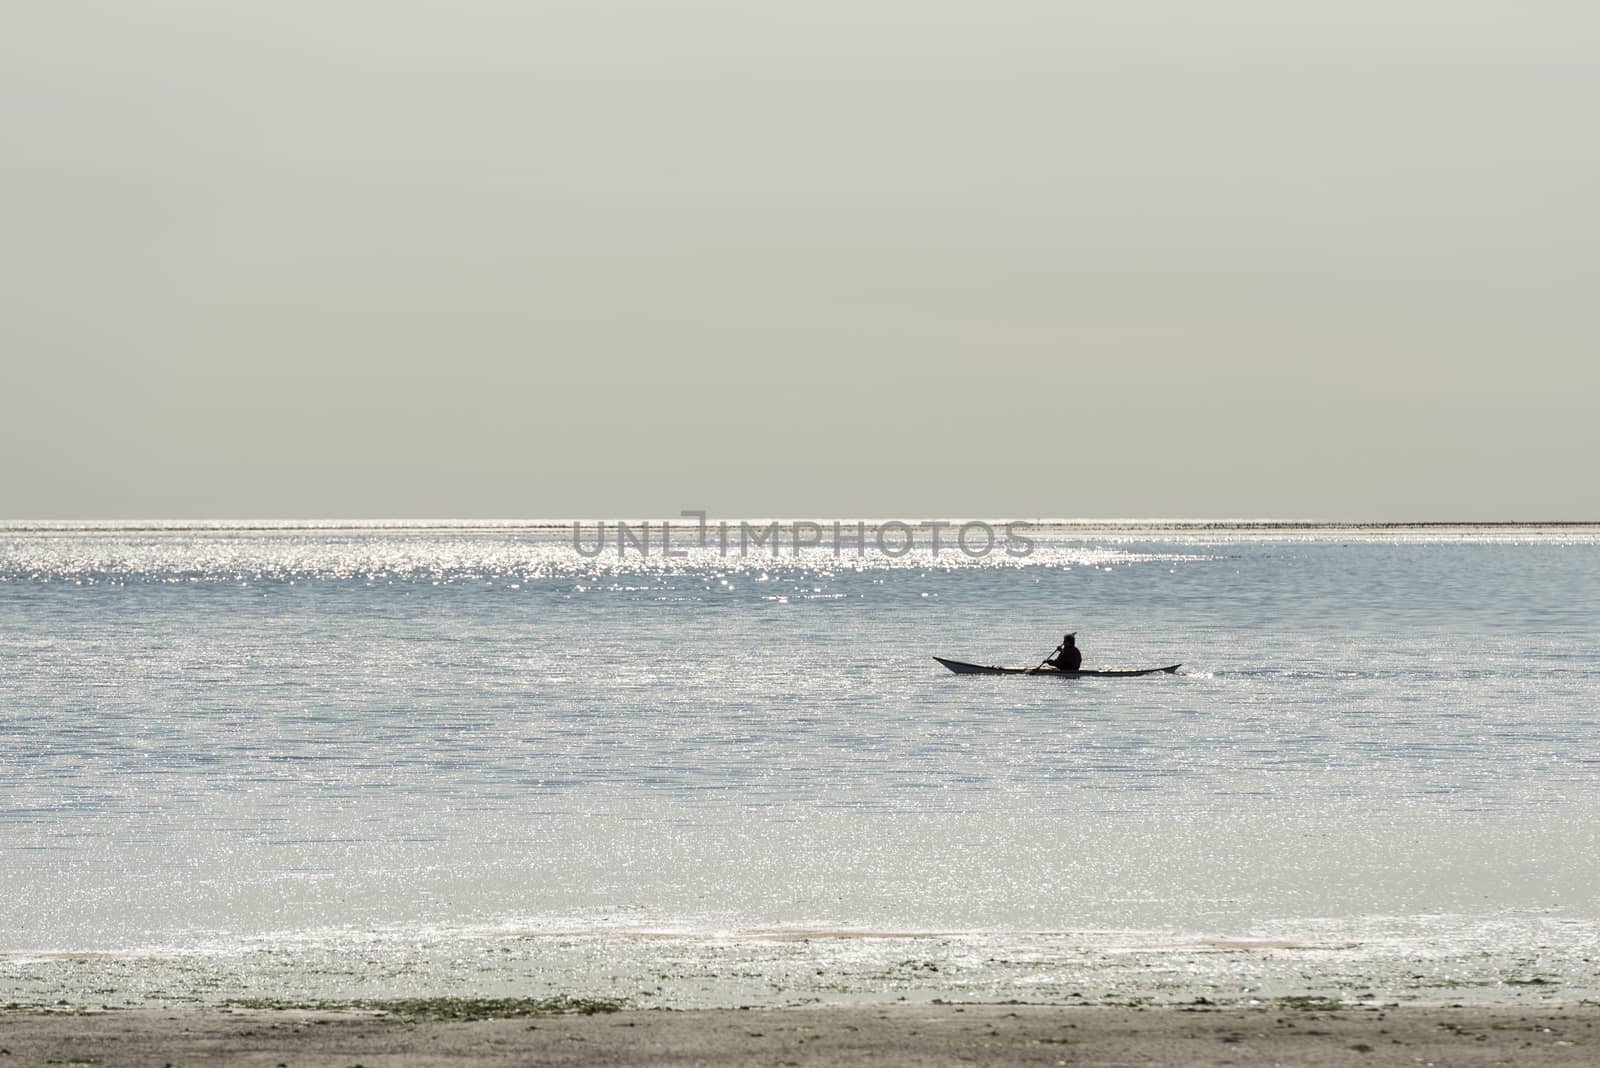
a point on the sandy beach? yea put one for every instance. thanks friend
(836, 1035)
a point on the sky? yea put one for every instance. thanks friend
(380, 258)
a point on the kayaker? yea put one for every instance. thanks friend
(1066, 657)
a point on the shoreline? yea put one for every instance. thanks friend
(875, 1034)
(1528, 960)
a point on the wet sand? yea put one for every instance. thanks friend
(837, 1035)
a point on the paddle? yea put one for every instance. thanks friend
(1046, 660)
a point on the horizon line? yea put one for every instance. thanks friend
(687, 523)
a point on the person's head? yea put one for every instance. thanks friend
(1068, 640)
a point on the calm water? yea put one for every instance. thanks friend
(222, 738)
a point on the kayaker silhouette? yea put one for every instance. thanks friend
(1065, 660)
(1066, 657)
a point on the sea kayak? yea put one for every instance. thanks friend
(961, 668)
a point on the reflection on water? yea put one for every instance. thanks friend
(225, 734)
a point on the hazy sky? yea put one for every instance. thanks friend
(387, 258)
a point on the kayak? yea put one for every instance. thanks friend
(961, 668)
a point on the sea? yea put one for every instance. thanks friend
(325, 762)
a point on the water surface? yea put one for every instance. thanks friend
(222, 740)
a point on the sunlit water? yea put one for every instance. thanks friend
(281, 750)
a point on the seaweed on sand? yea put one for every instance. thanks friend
(452, 1008)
